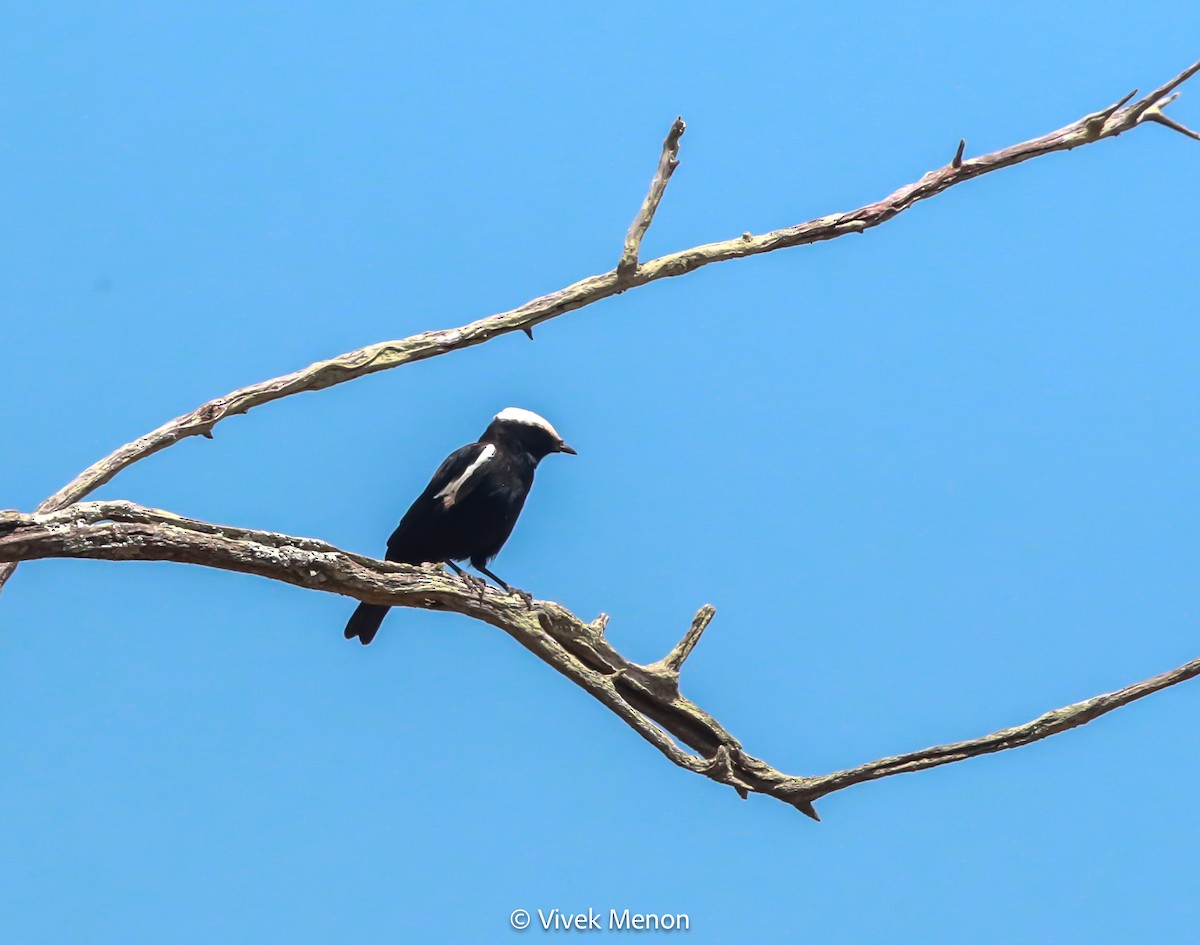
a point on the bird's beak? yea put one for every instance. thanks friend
(563, 448)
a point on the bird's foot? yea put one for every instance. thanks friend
(524, 595)
(476, 584)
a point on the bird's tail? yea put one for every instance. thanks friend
(364, 622)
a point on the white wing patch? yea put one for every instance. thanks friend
(450, 494)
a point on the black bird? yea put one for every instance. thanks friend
(470, 506)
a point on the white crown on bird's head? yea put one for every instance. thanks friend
(527, 417)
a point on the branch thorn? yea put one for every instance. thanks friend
(807, 809)
(958, 155)
(1095, 121)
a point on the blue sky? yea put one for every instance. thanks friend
(936, 479)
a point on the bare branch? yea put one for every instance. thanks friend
(641, 696)
(667, 162)
(1107, 123)
(647, 698)
(1059, 720)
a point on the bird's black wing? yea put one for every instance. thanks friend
(457, 477)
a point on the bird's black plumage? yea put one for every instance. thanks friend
(471, 504)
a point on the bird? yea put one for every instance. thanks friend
(470, 506)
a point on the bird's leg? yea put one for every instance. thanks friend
(473, 583)
(524, 595)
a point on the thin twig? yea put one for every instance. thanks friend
(1155, 113)
(667, 162)
(673, 662)
(1157, 95)
(1052, 723)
